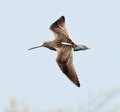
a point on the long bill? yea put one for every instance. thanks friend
(35, 47)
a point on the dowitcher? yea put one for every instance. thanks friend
(64, 46)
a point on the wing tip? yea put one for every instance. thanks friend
(58, 21)
(78, 84)
(63, 17)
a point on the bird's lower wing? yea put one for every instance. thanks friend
(67, 67)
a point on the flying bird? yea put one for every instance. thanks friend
(64, 47)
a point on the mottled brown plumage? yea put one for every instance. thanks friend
(63, 45)
(65, 62)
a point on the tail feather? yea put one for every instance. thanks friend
(80, 47)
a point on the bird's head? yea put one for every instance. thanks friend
(45, 44)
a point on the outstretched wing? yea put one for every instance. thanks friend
(65, 62)
(60, 31)
(58, 27)
(60, 21)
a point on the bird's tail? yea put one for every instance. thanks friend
(80, 47)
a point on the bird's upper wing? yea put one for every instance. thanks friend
(60, 31)
(65, 62)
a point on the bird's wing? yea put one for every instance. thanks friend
(65, 62)
(60, 31)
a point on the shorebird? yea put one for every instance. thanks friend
(64, 46)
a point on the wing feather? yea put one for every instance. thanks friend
(65, 62)
(60, 31)
(58, 27)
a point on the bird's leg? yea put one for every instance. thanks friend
(80, 47)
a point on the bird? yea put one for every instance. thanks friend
(64, 47)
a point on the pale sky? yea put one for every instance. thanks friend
(34, 75)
